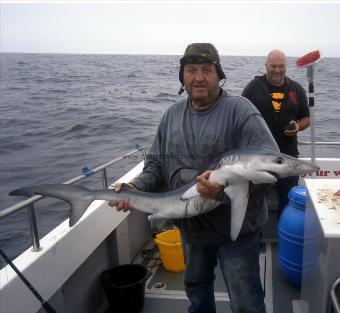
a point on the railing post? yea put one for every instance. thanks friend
(104, 179)
(335, 303)
(333, 297)
(33, 227)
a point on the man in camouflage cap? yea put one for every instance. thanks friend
(191, 135)
(201, 53)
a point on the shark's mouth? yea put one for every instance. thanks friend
(264, 177)
(275, 175)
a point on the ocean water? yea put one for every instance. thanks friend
(59, 113)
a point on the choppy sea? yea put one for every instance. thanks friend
(61, 112)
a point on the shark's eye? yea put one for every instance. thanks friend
(279, 161)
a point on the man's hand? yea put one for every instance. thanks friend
(292, 129)
(121, 205)
(207, 188)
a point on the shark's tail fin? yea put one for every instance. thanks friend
(78, 197)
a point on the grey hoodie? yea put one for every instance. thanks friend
(189, 141)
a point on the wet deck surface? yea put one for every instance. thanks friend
(164, 291)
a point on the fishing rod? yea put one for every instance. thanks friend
(48, 308)
(309, 60)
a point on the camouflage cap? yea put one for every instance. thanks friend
(201, 53)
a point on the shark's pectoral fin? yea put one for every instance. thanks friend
(190, 193)
(238, 193)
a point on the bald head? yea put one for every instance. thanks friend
(276, 55)
(276, 67)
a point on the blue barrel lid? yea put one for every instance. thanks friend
(298, 195)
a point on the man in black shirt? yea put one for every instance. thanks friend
(283, 104)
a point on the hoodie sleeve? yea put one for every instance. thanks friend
(151, 178)
(247, 90)
(252, 130)
(257, 134)
(303, 108)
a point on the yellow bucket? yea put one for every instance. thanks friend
(170, 250)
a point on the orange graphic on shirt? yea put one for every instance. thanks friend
(276, 97)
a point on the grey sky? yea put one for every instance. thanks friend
(251, 28)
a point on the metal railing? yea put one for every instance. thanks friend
(29, 203)
(321, 143)
(334, 303)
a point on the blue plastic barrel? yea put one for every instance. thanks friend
(291, 236)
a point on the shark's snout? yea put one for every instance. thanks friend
(306, 168)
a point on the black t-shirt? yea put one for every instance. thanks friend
(277, 94)
(278, 106)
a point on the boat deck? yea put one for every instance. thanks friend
(166, 290)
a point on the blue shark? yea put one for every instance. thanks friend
(234, 171)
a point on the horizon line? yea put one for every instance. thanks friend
(146, 54)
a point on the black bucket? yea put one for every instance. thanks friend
(124, 287)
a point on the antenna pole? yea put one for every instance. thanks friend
(310, 76)
(309, 60)
(48, 308)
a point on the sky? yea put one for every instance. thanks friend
(167, 27)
